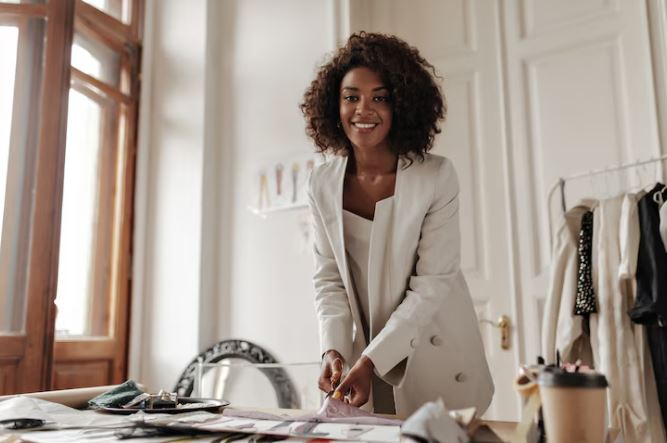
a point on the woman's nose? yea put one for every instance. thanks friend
(363, 106)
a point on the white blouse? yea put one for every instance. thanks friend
(358, 233)
(358, 237)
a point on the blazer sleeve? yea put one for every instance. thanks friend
(436, 279)
(331, 302)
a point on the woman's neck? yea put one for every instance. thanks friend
(372, 162)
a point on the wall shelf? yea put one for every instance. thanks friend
(264, 213)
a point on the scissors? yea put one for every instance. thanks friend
(332, 392)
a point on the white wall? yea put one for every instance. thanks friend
(275, 49)
(169, 189)
(220, 100)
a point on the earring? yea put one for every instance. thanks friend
(338, 124)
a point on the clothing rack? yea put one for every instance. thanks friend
(560, 183)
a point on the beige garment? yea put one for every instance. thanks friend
(619, 351)
(424, 337)
(613, 338)
(561, 329)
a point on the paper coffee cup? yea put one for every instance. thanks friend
(573, 406)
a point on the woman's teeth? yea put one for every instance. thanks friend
(365, 125)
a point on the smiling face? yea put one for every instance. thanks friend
(365, 109)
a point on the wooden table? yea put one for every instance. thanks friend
(77, 398)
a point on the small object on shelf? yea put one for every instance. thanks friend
(279, 178)
(295, 181)
(281, 185)
(264, 201)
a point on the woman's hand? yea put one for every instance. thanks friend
(331, 371)
(357, 383)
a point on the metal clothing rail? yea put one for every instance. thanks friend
(560, 183)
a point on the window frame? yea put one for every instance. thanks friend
(29, 359)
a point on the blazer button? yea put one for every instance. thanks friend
(413, 343)
(460, 377)
(436, 341)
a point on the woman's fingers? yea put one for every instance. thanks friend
(358, 399)
(343, 386)
(355, 387)
(324, 382)
(357, 396)
(336, 371)
(331, 372)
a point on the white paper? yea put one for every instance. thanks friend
(59, 415)
(432, 422)
(279, 427)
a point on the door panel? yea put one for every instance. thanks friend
(94, 273)
(31, 189)
(537, 90)
(581, 97)
(81, 374)
(465, 52)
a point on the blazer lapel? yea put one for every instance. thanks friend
(380, 264)
(334, 201)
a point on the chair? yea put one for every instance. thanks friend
(226, 354)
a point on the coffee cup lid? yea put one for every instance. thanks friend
(560, 378)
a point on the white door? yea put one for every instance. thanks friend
(537, 89)
(580, 97)
(461, 39)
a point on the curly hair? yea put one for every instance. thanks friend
(418, 104)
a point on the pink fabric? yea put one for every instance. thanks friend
(332, 411)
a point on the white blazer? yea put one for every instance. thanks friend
(424, 334)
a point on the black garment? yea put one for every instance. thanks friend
(584, 303)
(657, 344)
(650, 306)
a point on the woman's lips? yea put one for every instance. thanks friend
(364, 127)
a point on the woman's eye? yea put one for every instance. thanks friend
(383, 99)
(350, 98)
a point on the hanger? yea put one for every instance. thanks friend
(658, 197)
(561, 182)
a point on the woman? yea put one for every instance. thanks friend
(391, 300)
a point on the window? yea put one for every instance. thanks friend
(21, 76)
(119, 9)
(69, 88)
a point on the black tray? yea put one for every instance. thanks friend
(209, 404)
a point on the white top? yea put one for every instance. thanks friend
(358, 232)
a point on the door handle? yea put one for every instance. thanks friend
(504, 324)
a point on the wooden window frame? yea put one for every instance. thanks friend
(29, 52)
(36, 350)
